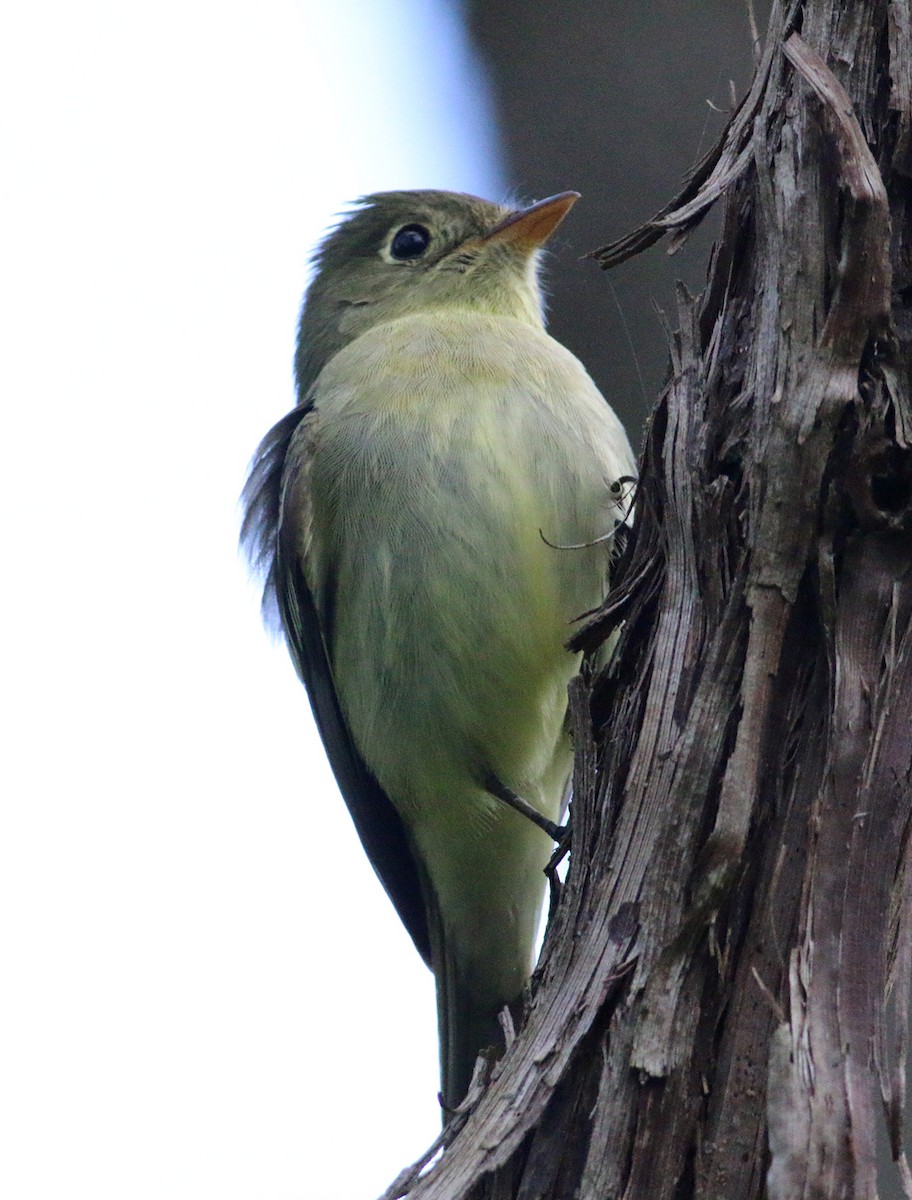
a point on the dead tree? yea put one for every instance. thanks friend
(720, 1009)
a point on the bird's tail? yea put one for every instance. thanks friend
(466, 1024)
(465, 1030)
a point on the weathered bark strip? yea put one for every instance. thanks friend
(709, 1016)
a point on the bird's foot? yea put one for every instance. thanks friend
(555, 886)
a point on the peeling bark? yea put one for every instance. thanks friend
(720, 1008)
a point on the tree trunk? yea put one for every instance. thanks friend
(720, 1008)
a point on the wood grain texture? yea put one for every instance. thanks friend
(720, 1009)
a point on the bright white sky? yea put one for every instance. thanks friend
(205, 993)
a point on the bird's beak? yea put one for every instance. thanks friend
(529, 228)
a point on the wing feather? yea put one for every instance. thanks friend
(275, 535)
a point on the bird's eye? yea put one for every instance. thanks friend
(410, 241)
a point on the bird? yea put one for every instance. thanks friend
(429, 520)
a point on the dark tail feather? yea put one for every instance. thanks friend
(465, 1027)
(464, 1033)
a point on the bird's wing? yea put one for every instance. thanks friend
(275, 529)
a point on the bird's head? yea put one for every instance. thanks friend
(403, 253)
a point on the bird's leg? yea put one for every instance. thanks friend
(554, 831)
